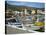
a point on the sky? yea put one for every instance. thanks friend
(29, 4)
(28, 0)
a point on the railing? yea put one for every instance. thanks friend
(10, 18)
